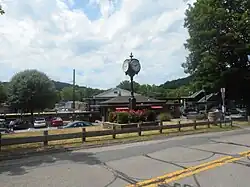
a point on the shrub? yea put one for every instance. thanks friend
(150, 115)
(132, 116)
(112, 117)
(165, 117)
(122, 117)
(201, 117)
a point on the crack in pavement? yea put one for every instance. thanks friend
(230, 143)
(120, 175)
(174, 164)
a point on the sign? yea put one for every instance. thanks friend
(223, 109)
(223, 90)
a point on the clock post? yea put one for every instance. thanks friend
(131, 67)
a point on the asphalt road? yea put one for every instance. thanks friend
(122, 165)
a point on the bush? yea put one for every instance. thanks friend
(132, 116)
(150, 115)
(112, 117)
(123, 117)
(165, 117)
(201, 117)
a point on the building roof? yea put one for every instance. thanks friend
(194, 95)
(208, 97)
(125, 99)
(114, 92)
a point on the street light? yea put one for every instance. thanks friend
(131, 67)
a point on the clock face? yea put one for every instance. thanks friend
(125, 65)
(135, 65)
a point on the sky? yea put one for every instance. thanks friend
(94, 37)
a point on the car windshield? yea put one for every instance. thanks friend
(69, 124)
(40, 119)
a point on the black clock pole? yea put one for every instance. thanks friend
(131, 67)
(131, 79)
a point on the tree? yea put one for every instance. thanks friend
(126, 85)
(1, 10)
(30, 91)
(3, 94)
(67, 94)
(219, 44)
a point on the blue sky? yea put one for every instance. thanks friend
(94, 37)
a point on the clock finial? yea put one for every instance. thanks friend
(131, 55)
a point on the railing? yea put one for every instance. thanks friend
(141, 127)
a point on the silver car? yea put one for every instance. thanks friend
(40, 122)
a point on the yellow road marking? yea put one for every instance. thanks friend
(154, 182)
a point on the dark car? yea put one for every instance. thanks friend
(20, 124)
(76, 124)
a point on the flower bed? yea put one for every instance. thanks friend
(131, 116)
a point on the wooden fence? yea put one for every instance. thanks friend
(141, 127)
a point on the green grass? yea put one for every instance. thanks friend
(97, 141)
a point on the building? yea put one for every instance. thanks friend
(78, 105)
(118, 99)
(94, 102)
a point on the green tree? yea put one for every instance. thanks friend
(3, 93)
(67, 94)
(126, 85)
(1, 10)
(219, 44)
(30, 91)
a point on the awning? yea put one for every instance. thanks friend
(122, 108)
(156, 107)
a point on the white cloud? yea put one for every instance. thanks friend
(55, 37)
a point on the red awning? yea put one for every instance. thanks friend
(122, 108)
(156, 107)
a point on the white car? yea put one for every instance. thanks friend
(40, 122)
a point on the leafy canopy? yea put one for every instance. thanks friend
(219, 44)
(1, 10)
(31, 90)
(3, 93)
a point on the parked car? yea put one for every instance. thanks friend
(20, 124)
(40, 122)
(3, 126)
(76, 124)
(56, 122)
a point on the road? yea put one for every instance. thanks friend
(219, 157)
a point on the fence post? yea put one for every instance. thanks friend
(114, 133)
(161, 127)
(220, 124)
(83, 135)
(139, 129)
(179, 123)
(0, 141)
(45, 134)
(195, 125)
(231, 123)
(208, 123)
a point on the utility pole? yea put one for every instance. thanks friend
(73, 95)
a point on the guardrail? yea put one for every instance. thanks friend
(46, 137)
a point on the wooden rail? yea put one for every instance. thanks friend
(46, 137)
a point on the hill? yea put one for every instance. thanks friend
(174, 84)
